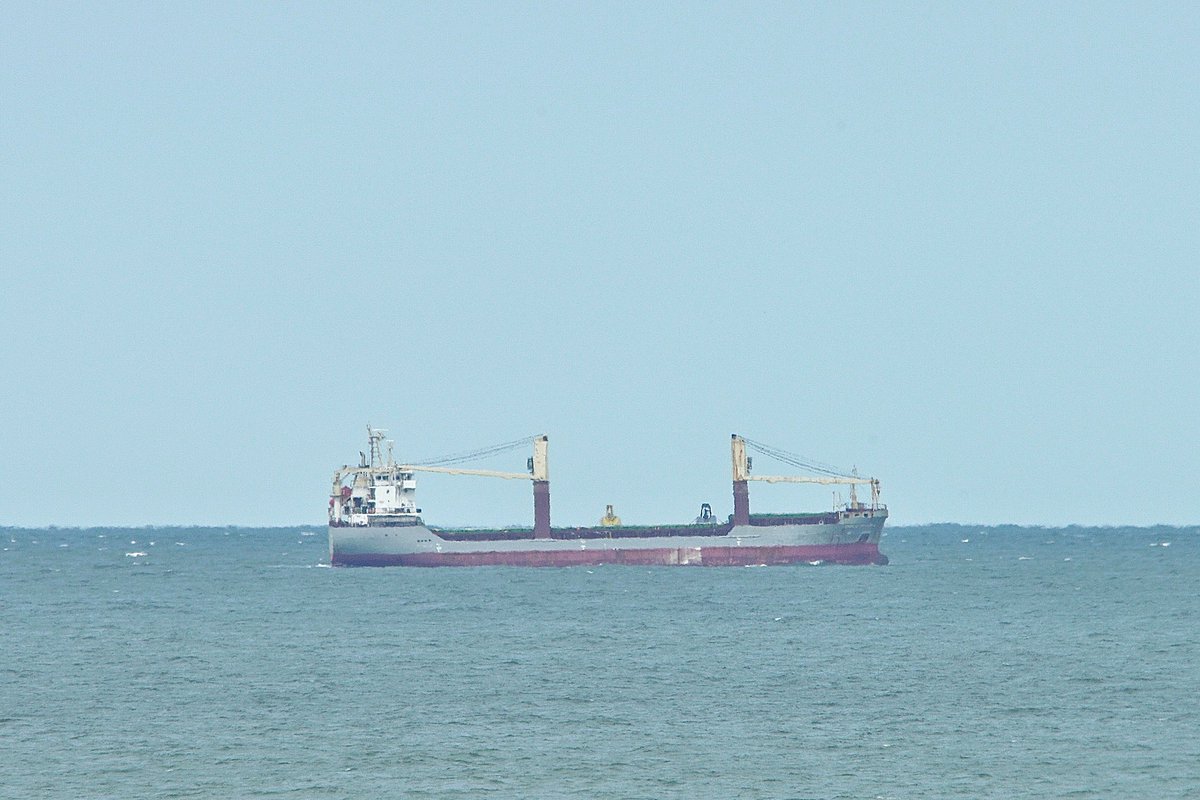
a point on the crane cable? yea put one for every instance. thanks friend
(796, 460)
(474, 455)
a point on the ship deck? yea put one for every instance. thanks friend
(630, 531)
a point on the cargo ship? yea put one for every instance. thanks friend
(374, 521)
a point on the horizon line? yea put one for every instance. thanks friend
(284, 526)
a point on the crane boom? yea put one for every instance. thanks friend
(486, 473)
(809, 479)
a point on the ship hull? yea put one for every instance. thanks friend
(847, 541)
(650, 556)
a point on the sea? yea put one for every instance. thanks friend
(983, 662)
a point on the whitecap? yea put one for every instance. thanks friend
(964, 541)
(1024, 558)
(135, 554)
(1165, 544)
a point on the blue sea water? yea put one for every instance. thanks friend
(219, 663)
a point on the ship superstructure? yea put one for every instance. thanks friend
(374, 520)
(377, 492)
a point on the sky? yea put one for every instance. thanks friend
(954, 245)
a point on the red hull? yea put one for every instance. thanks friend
(854, 553)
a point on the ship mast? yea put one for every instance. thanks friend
(375, 436)
(741, 488)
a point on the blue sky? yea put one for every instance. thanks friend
(954, 246)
